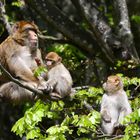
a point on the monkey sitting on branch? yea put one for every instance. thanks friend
(17, 55)
(59, 80)
(114, 105)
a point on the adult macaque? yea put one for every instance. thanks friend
(59, 81)
(114, 104)
(17, 54)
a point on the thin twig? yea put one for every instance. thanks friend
(87, 105)
(109, 137)
(81, 88)
(54, 39)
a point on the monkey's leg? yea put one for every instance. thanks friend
(13, 93)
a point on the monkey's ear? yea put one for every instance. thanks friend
(15, 27)
(36, 27)
(117, 81)
(60, 59)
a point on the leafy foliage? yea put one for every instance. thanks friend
(132, 130)
(39, 70)
(72, 119)
(70, 116)
(136, 18)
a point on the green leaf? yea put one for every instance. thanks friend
(95, 117)
(55, 137)
(82, 130)
(33, 134)
(75, 119)
(66, 121)
(19, 127)
(37, 116)
(57, 129)
(28, 118)
(40, 70)
(18, 3)
(136, 18)
(84, 121)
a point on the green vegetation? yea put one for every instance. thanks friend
(66, 119)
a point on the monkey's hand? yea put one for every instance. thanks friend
(42, 85)
(50, 85)
(105, 116)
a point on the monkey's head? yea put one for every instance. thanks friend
(113, 84)
(52, 59)
(25, 33)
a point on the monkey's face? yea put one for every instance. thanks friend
(33, 40)
(49, 63)
(52, 59)
(25, 33)
(112, 84)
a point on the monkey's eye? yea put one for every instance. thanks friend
(29, 29)
(48, 59)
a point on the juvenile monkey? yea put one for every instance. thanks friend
(114, 105)
(59, 81)
(17, 55)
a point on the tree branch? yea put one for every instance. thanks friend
(101, 30)
(82, 38)
(36, 91)
(51, 14)
(4, 17)
(124, 29)
(87, 105)
(109, 137)
(55, 40)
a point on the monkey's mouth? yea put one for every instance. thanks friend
(34, 43)
(49, 63)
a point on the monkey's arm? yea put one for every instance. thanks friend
(105, 116)
(21, 70)
(104, 109)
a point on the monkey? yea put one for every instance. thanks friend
(17, 55)
(114, 104)
(59, 80)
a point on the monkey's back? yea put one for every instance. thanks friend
(63, 78)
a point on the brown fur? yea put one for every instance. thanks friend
(17, 55)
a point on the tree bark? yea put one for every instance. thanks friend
(124, 29)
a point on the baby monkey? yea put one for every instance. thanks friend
(114, 105)
(59, 80)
